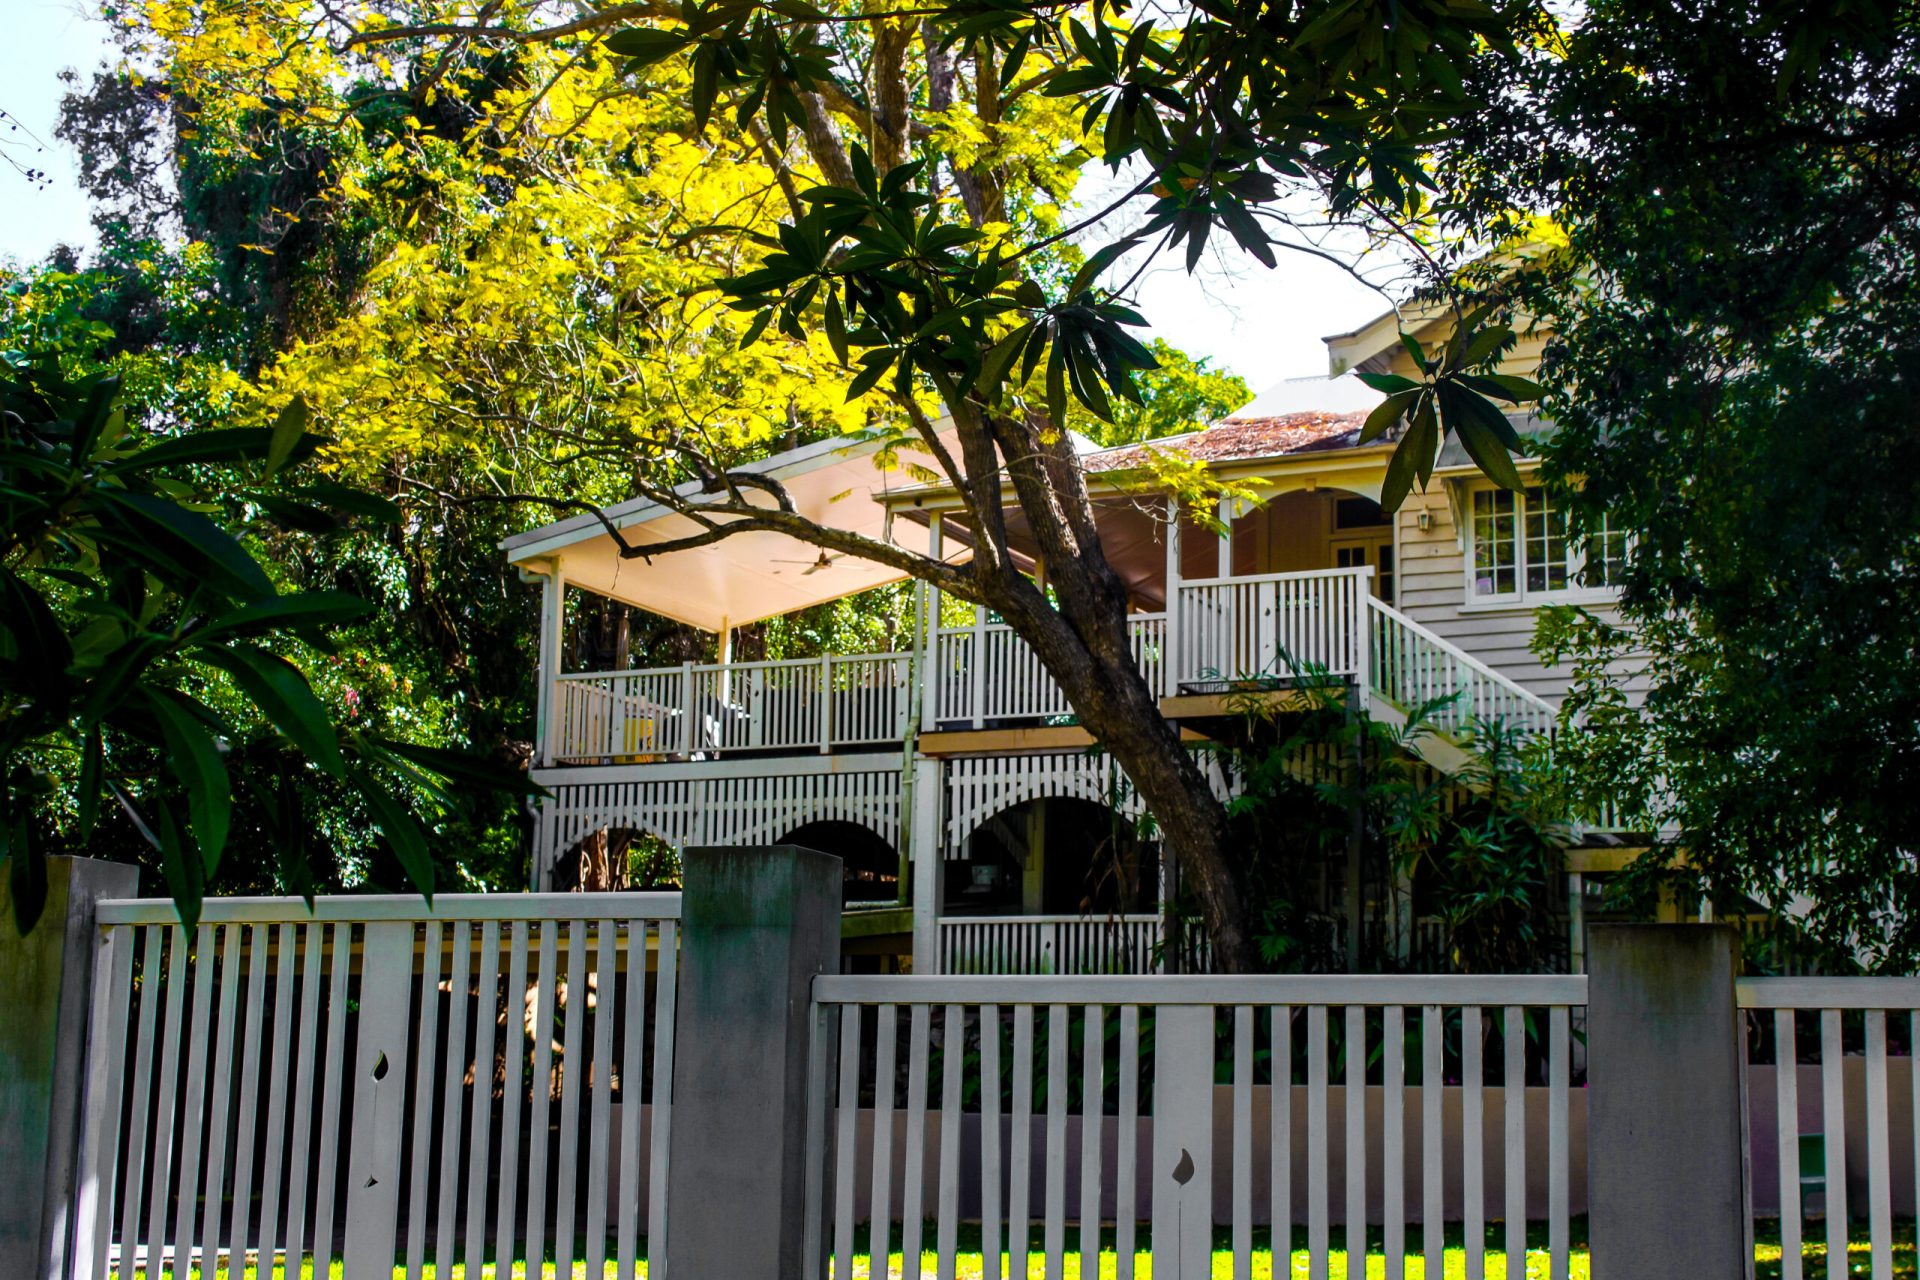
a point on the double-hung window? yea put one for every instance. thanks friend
(1521, 550)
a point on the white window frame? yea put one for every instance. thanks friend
(1521, 597)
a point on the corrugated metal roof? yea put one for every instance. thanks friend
(1238, 439)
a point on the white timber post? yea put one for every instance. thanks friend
(977, 667)
(688, 737)
(1225, 562)
(553, 623)
(1576, 923)
(723, 654)
(1170, 675)
(1362, 648)
(826, 703)
(928, 864)
(930, 634)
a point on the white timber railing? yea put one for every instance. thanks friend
(1044, 1108)
(1059, 944)
(807, 703)
(1222, 634)
(1271, 626)
(1830, 1037)
(986, 671)
(257, 1085)
(1412, 667)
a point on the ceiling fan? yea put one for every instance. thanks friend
(824, 561)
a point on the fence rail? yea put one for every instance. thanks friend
(378, 1082)
(1074, 1127)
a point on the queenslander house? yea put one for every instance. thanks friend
(981, 828)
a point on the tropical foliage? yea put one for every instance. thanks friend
(138, 638)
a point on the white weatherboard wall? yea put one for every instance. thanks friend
(1433, 592)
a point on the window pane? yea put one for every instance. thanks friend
(1606, 556)
(1546, 543)
(1494, 543)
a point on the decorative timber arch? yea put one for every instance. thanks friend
(979, 787)
(720, 802)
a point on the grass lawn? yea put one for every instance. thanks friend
(969, 1266)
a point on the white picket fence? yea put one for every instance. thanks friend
(1842, 1014)
(379, 1082)
(1126, 1128)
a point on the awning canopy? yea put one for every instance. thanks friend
(748, 577)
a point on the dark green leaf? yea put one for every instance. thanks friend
(282, 694)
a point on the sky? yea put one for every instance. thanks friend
(1264, 325)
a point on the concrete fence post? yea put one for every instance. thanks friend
(1667, 1136)
(758, 925)
(46, 981)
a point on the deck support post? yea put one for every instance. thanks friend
(546, 720)
(759, 925)
(1667, 1135)
(1170, 674)
(930, 632)
(46, 976)
(923, 846)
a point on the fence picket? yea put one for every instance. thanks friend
(1834, 1107)
(990, 1163)
(426, 1035)
(1513, 1090)
(599, 1130)
(1019, 1197)
(300, 1158)
(340, 965)
(886, 1051)
(1126, 1156)
(1055, 1206)
(195, 1099)
(912, 1205)
(1393, 1186)
(1356, 1117)
(1433, 1047)
(1242, 1179)
(1092, 1108)
(572, 1069)
(1473, 1182)
(1319, 1181)
(486, 1018)
(952, 1059)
